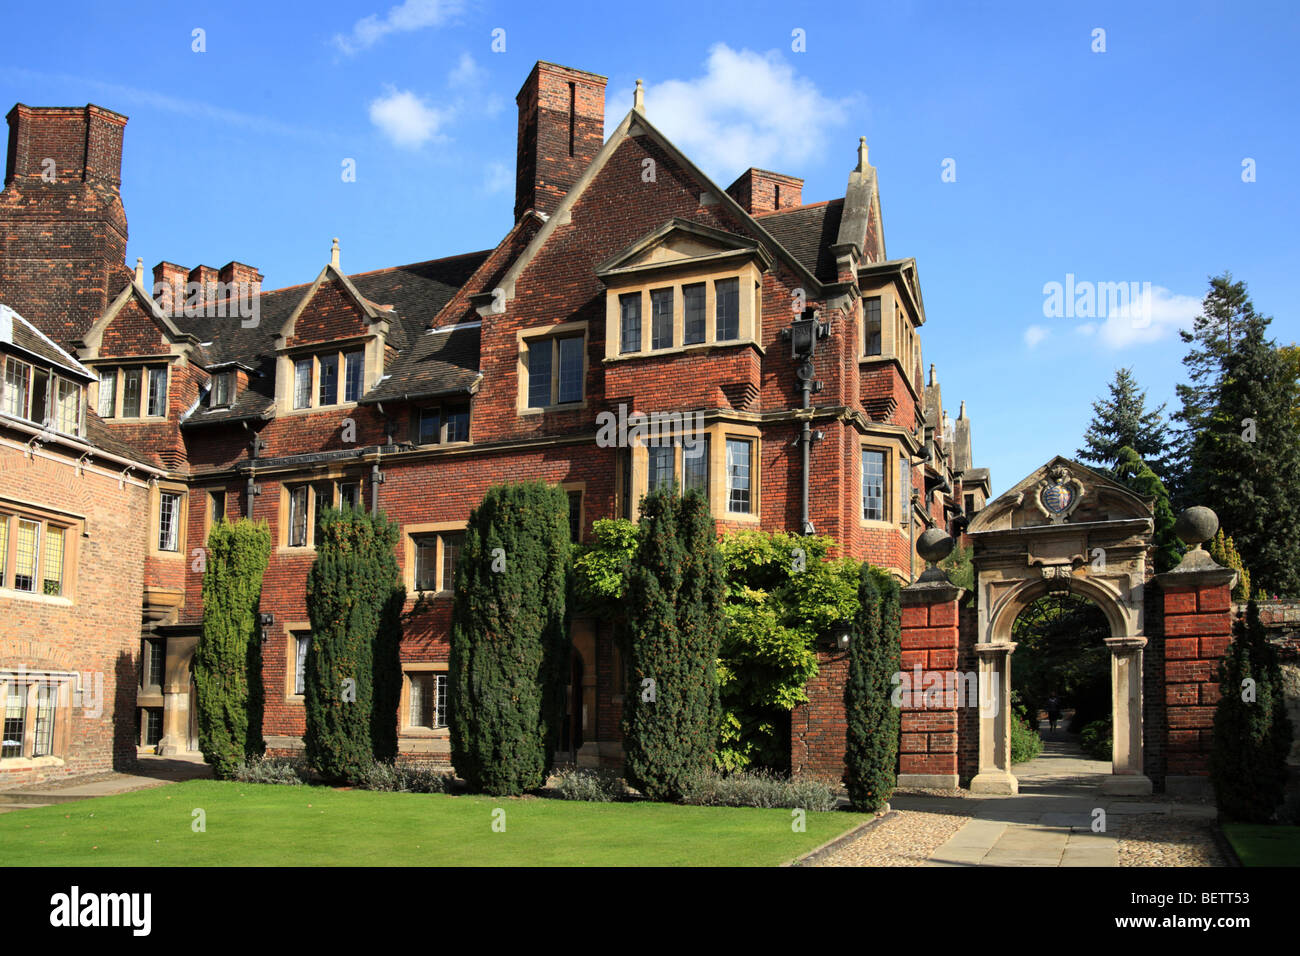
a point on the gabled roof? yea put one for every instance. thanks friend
(134, 290)
(25, 337)
(1138, 506)
(634, 125)
(809, 232)
(723, 244)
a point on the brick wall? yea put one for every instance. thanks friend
(96, 631)
(1197, 629)
(928, 744)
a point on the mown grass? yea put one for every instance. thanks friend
(266, 825)
(1263, 844)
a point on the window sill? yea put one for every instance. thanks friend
(51, 599)
(681, 349)
(136, 419)
(160, 553)
(416, 594)
(316, 408)
(872, 524)
(429, 733)
(29, 763)
(565, 407)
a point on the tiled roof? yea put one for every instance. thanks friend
(807, 233)
(417, 293)
(17, 331)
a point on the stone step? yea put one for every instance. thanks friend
(40, 797)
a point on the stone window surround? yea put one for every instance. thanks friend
(371, 348)
(581, 488)
(334, 478)
(526, 337)
(56, 377)
(292, 630)
(73, 530)
(66, 686)
(156, 489)
(208, 500)
(894, 516)
(409, 533)
(718, 433)
(404, 727)
(893, 314)
(119, 366)
(675, 275)
(444, 405)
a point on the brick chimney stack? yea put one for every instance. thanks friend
(62, 226)
(561, 128)
(759, 191)
(169, 286)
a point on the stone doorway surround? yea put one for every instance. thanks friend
(1063, 529)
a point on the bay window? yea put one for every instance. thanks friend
(739, 490)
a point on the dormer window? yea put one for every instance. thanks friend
(223, 389)
(138, 391)
(41, 396)
(684, 286)
(332, 378)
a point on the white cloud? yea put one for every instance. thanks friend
(1035, 334)
(1142, 323)
(498, 178)
(748, 109)
(403, 18)
(467, 72)
(406, 119)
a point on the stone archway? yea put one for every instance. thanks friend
(1064, 528)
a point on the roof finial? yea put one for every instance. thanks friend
(638, 98)
(862, 154)
(139, 271)
(334, 253)
(962, 413)
(932, 373)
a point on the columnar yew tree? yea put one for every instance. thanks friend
(875, 657)
(509, 639)
(674, 599)
(352, 671)
(228, 658)
(1252, 733)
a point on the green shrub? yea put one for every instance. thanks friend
(592, 785)
(228, 658)
(1025, 742)
(1252, 733)
(293, 772)
(764, 789)
(674, 596)
(873, 721)
(352, 670)
(509, 643)
(1224, 552)
(1096, 740)
(411, 776)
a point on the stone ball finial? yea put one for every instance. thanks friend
(934, 545)
(1196, 525)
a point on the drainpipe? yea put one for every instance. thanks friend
(805, 439)
(376, 479)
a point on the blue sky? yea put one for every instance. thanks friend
(1117, 166)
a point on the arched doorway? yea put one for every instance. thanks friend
(1064, 529)
(1061, 685)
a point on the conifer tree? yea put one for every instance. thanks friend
(1227, 314)
(1124, 420)
(228, 658)
(509, 638)
(1224, 552)
(353, 596)
(1132, 471)
(674, 594)
(874, 723)
(1252, 733)
(1247, 461)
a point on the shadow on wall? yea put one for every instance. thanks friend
(127, 678)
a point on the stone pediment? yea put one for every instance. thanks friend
(681, 242)
(1059, 493)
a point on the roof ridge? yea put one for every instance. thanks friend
(807, 205)
(357, 275)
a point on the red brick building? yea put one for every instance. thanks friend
(629, 283)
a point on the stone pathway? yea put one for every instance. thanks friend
(151, 771)
(1049, 823)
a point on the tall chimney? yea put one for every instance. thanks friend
(62, 172)
(561, 128)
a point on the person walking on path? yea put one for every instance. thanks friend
(1053, 711)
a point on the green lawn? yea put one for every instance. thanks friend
(1263, 844)
(266, 825)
